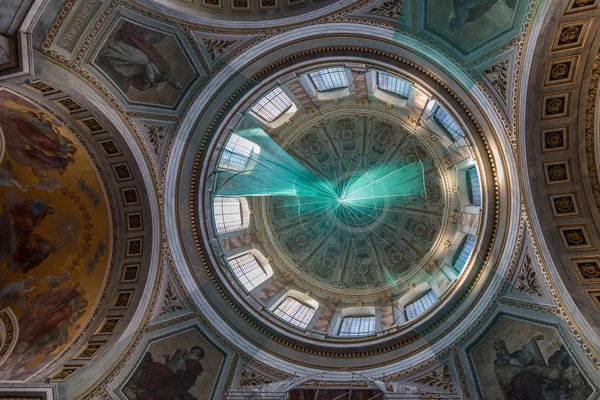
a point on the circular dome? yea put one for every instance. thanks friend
(385, 213)
(335, 214)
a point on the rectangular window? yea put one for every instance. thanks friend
(448, 123)
(421, 305)
(248, 271)
(473, 186)
(358, 326)
(294, 312)
(236, 154)
(393, 84)
(329, 78)
(231, 213)
(272, 105)
(464, 252)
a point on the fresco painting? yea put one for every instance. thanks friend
(148, 66)
(54, 233)
(521, 361)
(470, 23)
(184, 366)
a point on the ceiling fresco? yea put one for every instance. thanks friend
(55, 234)
(360, 247)
(146, 65)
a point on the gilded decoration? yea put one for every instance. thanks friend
(91, 125)
(40, 87)
(570, 35)
(555, 106)
(250, 377)
(69, 105)
(108, 326)
(555, 139)
(564, 205)
(498, 77)
(575, 238)
(130, 273)
(594, 295)
(64, 373)
(557, 172)
(560, 71)
(581, 5)
(527, 281)
(587, 269)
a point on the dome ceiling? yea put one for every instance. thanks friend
(381, 226)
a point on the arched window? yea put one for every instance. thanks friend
(272, 105)
(357, 325)
(448, 123)
(294, 312)
(329, 78)
(473, 186)
(231, 213)
(248, 270)
(463, 252)
(420, 305)
(236, 154)
(393, 84)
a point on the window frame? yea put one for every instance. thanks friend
(360, 331)
(463, 256)
(471, 174)
(299, 323)
(412, 305)
(405, 82)
(223, 226)
(233, 162)
(456, 133)
(276, 98)
(328, 71)
(243, 276)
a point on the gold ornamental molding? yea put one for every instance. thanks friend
(590, 130)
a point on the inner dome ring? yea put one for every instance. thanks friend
(315, 280)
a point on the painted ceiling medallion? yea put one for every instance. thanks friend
(384, 212)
